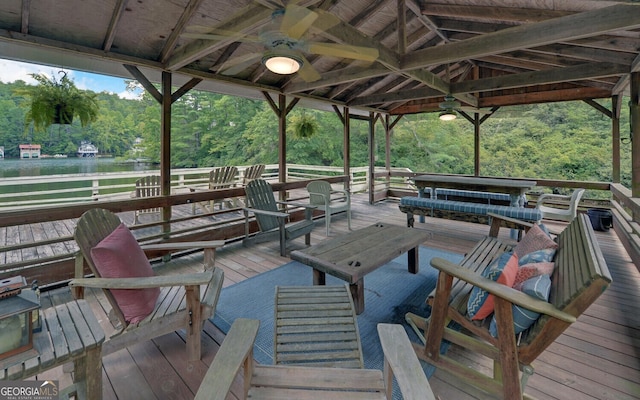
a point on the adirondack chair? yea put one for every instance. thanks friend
(271, 220)
(252, 172)
(148, 186)
(319, 383)
(562, 214)
(219, 178)
(579, 276)
(184, 302)
(332, 201)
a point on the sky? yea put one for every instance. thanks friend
(14, 70)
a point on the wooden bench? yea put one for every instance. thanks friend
(473, 196)
(464, 211)
(579, 277)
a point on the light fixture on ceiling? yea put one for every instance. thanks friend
(448, 115)
(282, 61)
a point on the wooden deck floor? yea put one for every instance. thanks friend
(597, 358)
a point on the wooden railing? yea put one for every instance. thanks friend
(46, 252)
(30, 249)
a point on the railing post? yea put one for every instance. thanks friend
(95, 188)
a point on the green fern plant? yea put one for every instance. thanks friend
(57, 102)
(304, 125)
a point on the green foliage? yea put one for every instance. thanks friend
(57, 101)
(569, 140)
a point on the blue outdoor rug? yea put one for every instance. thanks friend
(390, 292)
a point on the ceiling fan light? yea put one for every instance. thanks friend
(282, 62)
(447, 115)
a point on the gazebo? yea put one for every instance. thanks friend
(373, 61)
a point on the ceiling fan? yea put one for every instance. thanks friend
(450, 105)
(285, 45)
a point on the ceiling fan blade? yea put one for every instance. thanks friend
(208, 33)
(296, 21)
(325, 20)
(216, 37)
(307, 72)
(236, 65)
(344, 51)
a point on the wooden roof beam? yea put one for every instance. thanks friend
(24, 16)
(189, 10)
(577, 73)
(581, 93)
(566, 74)
(255, 16)
(575, 26)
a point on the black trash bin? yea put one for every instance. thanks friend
(601, 218)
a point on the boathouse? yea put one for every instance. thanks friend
(29, 151)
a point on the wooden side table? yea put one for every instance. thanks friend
(70, 333)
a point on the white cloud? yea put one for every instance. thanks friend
(14, 70)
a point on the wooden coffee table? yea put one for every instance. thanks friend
(350, 257)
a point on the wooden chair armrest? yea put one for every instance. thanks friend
(277, 214)
(209, 244)
(236, 348)
(299, 205)
(546, 196)
(511, 295)
(402, 362)
(200, 278)
(524, 224)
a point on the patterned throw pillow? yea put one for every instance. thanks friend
(537, 287)
(534, 240)
(502, 270)
(119, 256)
(531, 270)
(544, 255)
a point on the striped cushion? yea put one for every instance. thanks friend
(525, 214)
(538, 287)
(502, 270)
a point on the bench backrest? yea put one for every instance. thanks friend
(579, 277)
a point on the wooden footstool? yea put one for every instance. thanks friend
(316, 326)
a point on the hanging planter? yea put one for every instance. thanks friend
(57, 102)
(304, 125)
(63, 114)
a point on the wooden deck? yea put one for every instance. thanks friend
(597, 358)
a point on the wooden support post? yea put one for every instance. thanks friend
(476, 145)
(346, 121)
(615, 138)
(372, 158)
(634, 115)
(165, 149)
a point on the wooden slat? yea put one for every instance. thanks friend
(308, 332)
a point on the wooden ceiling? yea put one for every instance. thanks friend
(485, 53)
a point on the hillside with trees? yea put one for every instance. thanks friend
(555, 141)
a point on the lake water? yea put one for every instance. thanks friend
(10, 168)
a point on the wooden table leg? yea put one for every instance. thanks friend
(319, 277)
(357, 294)
(413, 258)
